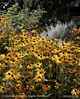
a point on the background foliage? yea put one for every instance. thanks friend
(61, 9)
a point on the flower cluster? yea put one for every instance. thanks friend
(36, 65)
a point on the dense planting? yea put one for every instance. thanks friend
(31, 65)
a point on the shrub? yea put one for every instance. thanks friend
(24, 19)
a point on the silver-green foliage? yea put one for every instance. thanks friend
(57, 31)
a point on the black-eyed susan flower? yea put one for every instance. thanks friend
(9, 75)
(75, 29)
(2, 56)
(40, 71)
(79, 63)
(38, 78)
(30, 87)
(19, 81)
(2, 89)
(75, 81)
(75, 92)
(46, 87)
(18, 88)
(58, 61)
(22, 95)
(57, 85)
(18, 75)
(38, 64)
(30, 72)
(34, 31)
(73, 71)
(30, 66)
(39, 56)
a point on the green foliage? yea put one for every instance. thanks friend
(14, 9)
(24, 19)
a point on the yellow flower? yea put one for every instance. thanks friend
(18, 75)
(2, 56)
(78, 31)
(78, 37)
(34, 31)
(39, 56)
(71, 31)
(75, 29)
(46, 87)
(17, 41)
(40, 71)
(19, 81)
(38, 64)
(38, 78)
(78, 91)
(73, 92)
(78, 63)
(58, 61)
(23, 96)
(30, 72)
(73, 71)
(18, 87)
(30, 87)
(57, 85)
(30, 66)
(2, 89)
(9, 75)
(75, 81)
(55, 57)
(23, 31)
(2, 65)
(56, 51)
(21, 66)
